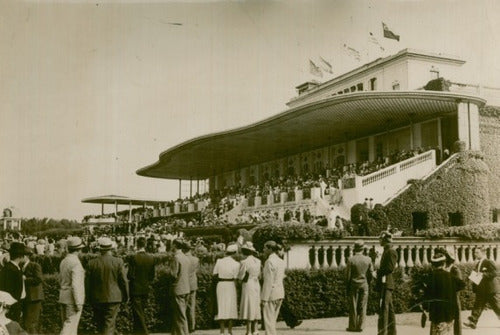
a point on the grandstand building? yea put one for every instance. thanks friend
(416, 134)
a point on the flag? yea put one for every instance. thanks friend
(314, 69)
(325, 66)
(352, 52)
(388, 33)
(374, 40)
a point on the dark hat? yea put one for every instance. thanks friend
(439, 256)
(18, 249)
(386, 236)
(359, 245)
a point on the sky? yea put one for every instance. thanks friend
(92, 91)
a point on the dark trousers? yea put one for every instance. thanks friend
(289, 317)
(386, 316)
(14, 312)
(358, 300)
(105, 317)
(138, 303)
(31, 316)
(493, 299)
(180, 324)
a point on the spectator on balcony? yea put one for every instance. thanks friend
(359, 272)
(385, 286)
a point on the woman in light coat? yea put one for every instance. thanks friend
(250, 291)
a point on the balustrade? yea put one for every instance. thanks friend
(411, 251)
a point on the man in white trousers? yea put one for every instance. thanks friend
(272, 292)
(72, 293)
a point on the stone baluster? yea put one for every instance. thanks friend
(409, 263)
(316, 260)
(322, 257)
(342, 257)
(417, 256)
(424, 255)
(401, 263)
(489, 252)
(334, 258)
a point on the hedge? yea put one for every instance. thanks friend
(480, 232)
(309, 293)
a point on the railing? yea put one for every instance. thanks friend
(376, 176)
(415, 161)
(412, 251)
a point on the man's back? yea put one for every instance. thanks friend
(106, 281)
(359, 268)
(193, 278)
(141, 273)
(182, 269)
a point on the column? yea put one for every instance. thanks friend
(351, 152)
(417, 135)
(371, 148)
(180, 188)
(190, 187)
(116, 207)
(440, 137)
(130, 211)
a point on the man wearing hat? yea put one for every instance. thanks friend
(358, 276)
(273, 291)
(385, 286)
(141, 274)
(193, 284)
(106, 286)
(72, 293)
(180, 289)
(32, 304)
(12, 278)
(487, 290)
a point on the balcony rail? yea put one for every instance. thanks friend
(412, 251)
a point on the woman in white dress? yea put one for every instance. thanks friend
(250, 291)
(226, 269)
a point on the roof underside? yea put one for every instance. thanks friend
(329, 121)
(120, 200)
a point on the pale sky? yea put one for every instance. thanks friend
(92, 91)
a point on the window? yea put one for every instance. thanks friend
(360, 86)
(340, 92)
(456, 219)
(346, 90)
(495, 215)
(419, 221)
(373, 84)
(395, 86)
(353, 88)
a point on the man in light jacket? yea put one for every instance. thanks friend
(180, 289)
(72, 293)
(273, 291)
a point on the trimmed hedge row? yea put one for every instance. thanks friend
(480, 232)
(310, 294)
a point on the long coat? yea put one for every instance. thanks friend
(106, 281)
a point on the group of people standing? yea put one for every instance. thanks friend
(441, 300)
(256, 300)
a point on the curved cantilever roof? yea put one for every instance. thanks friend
(318, 124)
(121, 200)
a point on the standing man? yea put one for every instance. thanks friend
(141, 274)
(487, 290)
(106, 287)
(385, 285)
(359, 274)
(193, 285)
(72, 293)
(180, 289)
(12, 278)
(32, 304)
(273, 291)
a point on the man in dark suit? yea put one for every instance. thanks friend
(141, 274)
(359, 272)
(180, 289)
(488, 289)
(32, 304)
(12, 278)
(385, 285)
(106, 287)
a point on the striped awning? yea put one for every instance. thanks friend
(329, 121)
